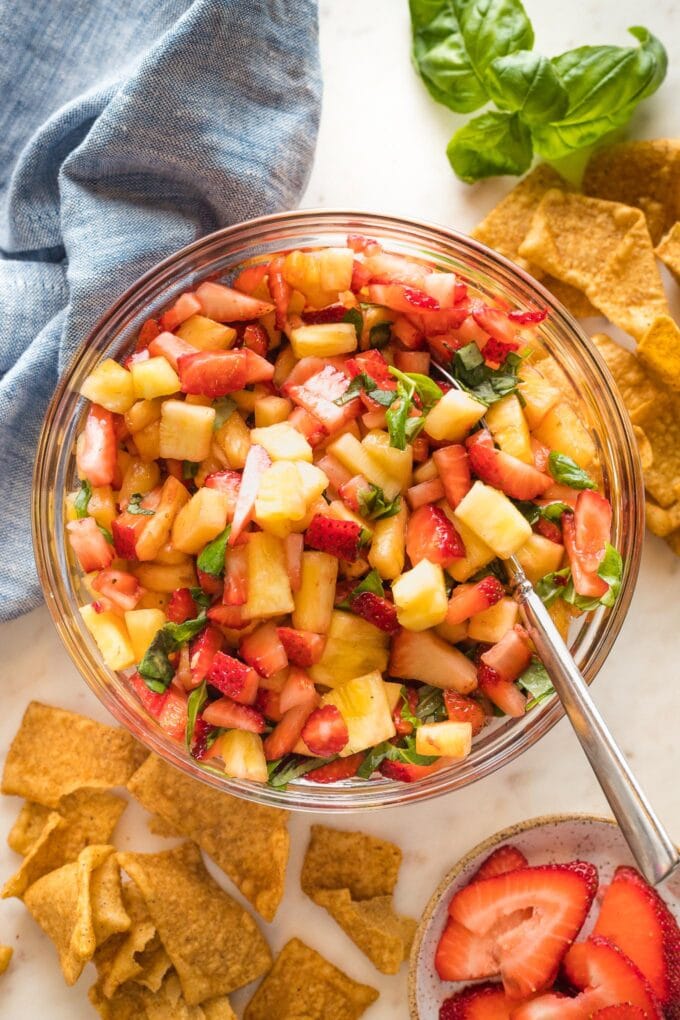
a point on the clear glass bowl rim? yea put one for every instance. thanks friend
(283, 228)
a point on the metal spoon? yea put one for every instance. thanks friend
(649, 843)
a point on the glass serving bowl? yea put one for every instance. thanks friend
(217, 256)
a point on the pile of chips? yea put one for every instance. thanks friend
(598, 252)
(164, 936)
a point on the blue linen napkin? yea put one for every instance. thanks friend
(127, 130)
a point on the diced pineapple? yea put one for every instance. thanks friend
(324, 340)
(280, 500)
(393, 694)
(140, 477)
(283, 366)
(198, 399)
(539, 556)
(111, 636)
(491, 624)
(563, 430)
(340, 512)
(387, 552)
(453, 416)
(102, 506)
(320, 275)
(362, 702)
(154, 599)
(420, 596)
(477, 552)
(154, 378)
(317, 506)
(245, 400)
(271, 411)
(316, 594)
(163, 578)
(269, 592)
(374, 315)
(313, 481)
(111, 386)
(509, 428)
(397, 463)
(359, 460)
(243, 755)
(454, 633)
(233, 438)
(186, 430)
(206, 334)
(425, 472)
(353, 647)
(168, 554)
(148, 442)
(444, 739)
(490, 515)
(562, 615)
(538, 395)
(143, 413)
(142, 626)
(282, 442)
(156, 531)
(201, 520)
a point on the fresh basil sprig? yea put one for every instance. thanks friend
(371, 583)
(567, 472)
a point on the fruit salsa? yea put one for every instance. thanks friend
(292, 537)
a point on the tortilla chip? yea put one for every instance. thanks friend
(6, 953)
(214, 945)
(27, 828)
(603, 249)
(159, 827)
(126, 1004)
(45, 855)
(302, 984)
(372, 925)
(170, 1003)
(645, 174)
(56, 752)
(249, 842)
(669, 250)
(109, 915)
(659, 351)
(662, 521)
(154, 964)
(644, 447)
(573, 300)
(116, 959)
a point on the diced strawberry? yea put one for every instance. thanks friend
(528, 318)
(199, 739)
(331, 313)
(298, 689)
(335, 771)
(325, 731)
(269, 703)
(430, 535)
(226, 305)
(263, 650)
(151, 701)
(173, 715)
(213, 373)
(182, 677)
(185, 306)
(425, 492)
(250, 278)
(379, 611)
(256, 339)
(413, 361)
(497, 324)
(460, 708)
(280, 291)
(209, 584)
(203, 650)
(96, 450)
(384, 267)
(172, 348)
(421, 448)
(504, 694)
(444, 288)
(303, 370)
(360, 276)
(469, 599)
(586, 582)
(229, 716)
(443, 320)
(149, 331)
(620, 1012)
(92, 550)
(135, 358)
(122, 588)
(442, 345)
(228, 482)
(495, 353)
(635, 918)
(318, 393)
(258, 369)
(337, 474)
(372, 364)
(515, 478)
(233, 678)
(480, 1002)
(510, 656)
(405, 772)
(257, 462)
(503, 859)
(549, 529)
(230, 617)
(592, 528)
(401, 297)
(339, 538)
(541, 454)
(360, 243)
(126, 529)
(303, 648)
(403, 726)
(293, 548)
(408, 334)
(495, 911)
(561, 493)
(310, 427)
(421, 655)
(236, 576)
(352, 492)
(286, 733)
(181, 606)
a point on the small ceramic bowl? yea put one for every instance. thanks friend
(549, 840)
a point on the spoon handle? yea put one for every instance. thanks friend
(649, 842)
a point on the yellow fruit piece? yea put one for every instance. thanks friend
(283, 366)
(201, 520)
(388, 547)
(233, 438)
(154, 599)
(491, 624)
(562, 430)
(142, 626)
(156, 531)
(420, 596)
(269, 591)
(362, 702)
(444, 739)
(453, 416)
(102, 506)
(340, 512)
(198, 399)
(490, 515)
(154, 378)
(313, 481)
(320, 275)
(271, 411)
(282, 442)
(316, 594)
(538, 394)
(539, 556)
(509, 428)
(140, 477)
(243, 755)
(111, 636)
(186, 430)
(206, 334)
(397, 463)
(325, 340)
(280, 499)
(148, 442)
(143, 413)
(359, 460)
(374, 315)
(454, 633)
(425, 472)
(168, 554)
(111, 386)
(393, 694)
(163, 578)
(477, 552)
(353, 647)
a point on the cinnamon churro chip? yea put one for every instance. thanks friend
(668, 250)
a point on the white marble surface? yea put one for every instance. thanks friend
(381, 148)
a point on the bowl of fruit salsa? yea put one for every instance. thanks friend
(272, 537)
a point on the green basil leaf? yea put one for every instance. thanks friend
(527, 83)
(201, 598)
(482, 382)
(583, 602)
(374, 757)
(396, 418)
(134, 506)
(374, 506)
(224, 408)
(533, 513)
(82, 499)
(358, 383)
(567, 472)
(354, 316)
(441, 59)
(426, 388)
(371, 582)
(491, 29)
(155, 665)
(406, 713)
(553, 511)
(611, 571)
(285, 770)
(536, 682)
(380, 335)
(431, 707)
(195, 703)
(383, 397)
(407, 753)
(553, 585)
(211, 559)
(106, 533)
(489, 145)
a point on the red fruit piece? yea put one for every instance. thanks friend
(199, 738)
(286, 733)
(235, 591)
(263, 650)
(230, 617)
(425, 493)
(203, 650)
(494, 352)
(586, 582)
(331, 313)
(293, 546)
(592, 528)
(298, 689)
(172, 348)
(149, 331)
(480, 1002)
(459, 951)
(528, 318)
(303, 647)
(185, 306)
(335, 771)
(462, 709)
(549, 529)
(497, 324)
(233, 678)
(152, 701)
(339, 538)
(371, 363)
(504, 694)
(181, 606)
(509, 657)
(403, 726)
(503, 859)
(226, 305)
(325, 731)
(228, 715)
(92, 550)
(256, 339)
(126, 529)
(123, 589)
(430, 535)
(212, 373)
(97, 451)
(378, 611)
(620, 1012)
(401, 297)
(635, 918)
(209, 584)
(453, 466)
(469, 599)
(257, 462)
(269, 703)
(515, 478)
(250, 278)
(318, 393)
(258, 369)
(173, 715)
(405, 772)
(228, 482)
(280, 290)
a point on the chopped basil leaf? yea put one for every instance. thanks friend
(611, 571)
(567, 472)
(285, 770)
(387, 751)
(533, 513)
(536, 682)
(202, 600)
(134, 506)
(211, 559)
(155, 668)
(189, 469)
(553, 585)
(365, 536)
(380, 335)
(426, 388)
(560, 584)
(431, 707)
(358, 383)
(396, 418)
(370, 583)
(224, 408)
(495, 567)
(482, 382)
(82, 499)
(354, 316)
(374, 506)
(195, 703)
(553, 511)
(106, 533)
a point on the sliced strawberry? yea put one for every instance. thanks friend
(257, 462)
(408, 334)
(423, 655)
(209, 584)
(372, 364)
(280, 290)
(256, 339)
(527, 918)
(172, 348)
(229, 716)
(203, 650)
(339, 538)
(226, 305)
(421, 448)
(510, 656)
(298, 689)
(92, 550)
(549, 529)
(232, 677)
(317, 395)
(199, 739)
(286, 733)
(235, 591)
(185, 306)
(503, 859)
(126, 529)
(269, 703)
(258, 369)
(384, 267)
(405, 772)
(469, 599)
(173, 715)
(379, 611)
(122, 588)
(528, 318)
(181, 606)
(230, 617)
(497, 324)
(360, 243)
(263, 650)
(504, 694)
(460, 708)
(293, 548)
(213, 373)
(430, 535)
(337, 770)
(149, 331)
(459, 951)
(96, 450)
(250, 278)
(303, 648)
(592, 528)
(586, 582)
(335, 472)
(453, 466)
(494, 352)
(325, 732)
(151, 701)
(310, 427)
(228, 482)
(515, 478)
(635, 918)
(480, 1002)
(352, 492)
(331, 313)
